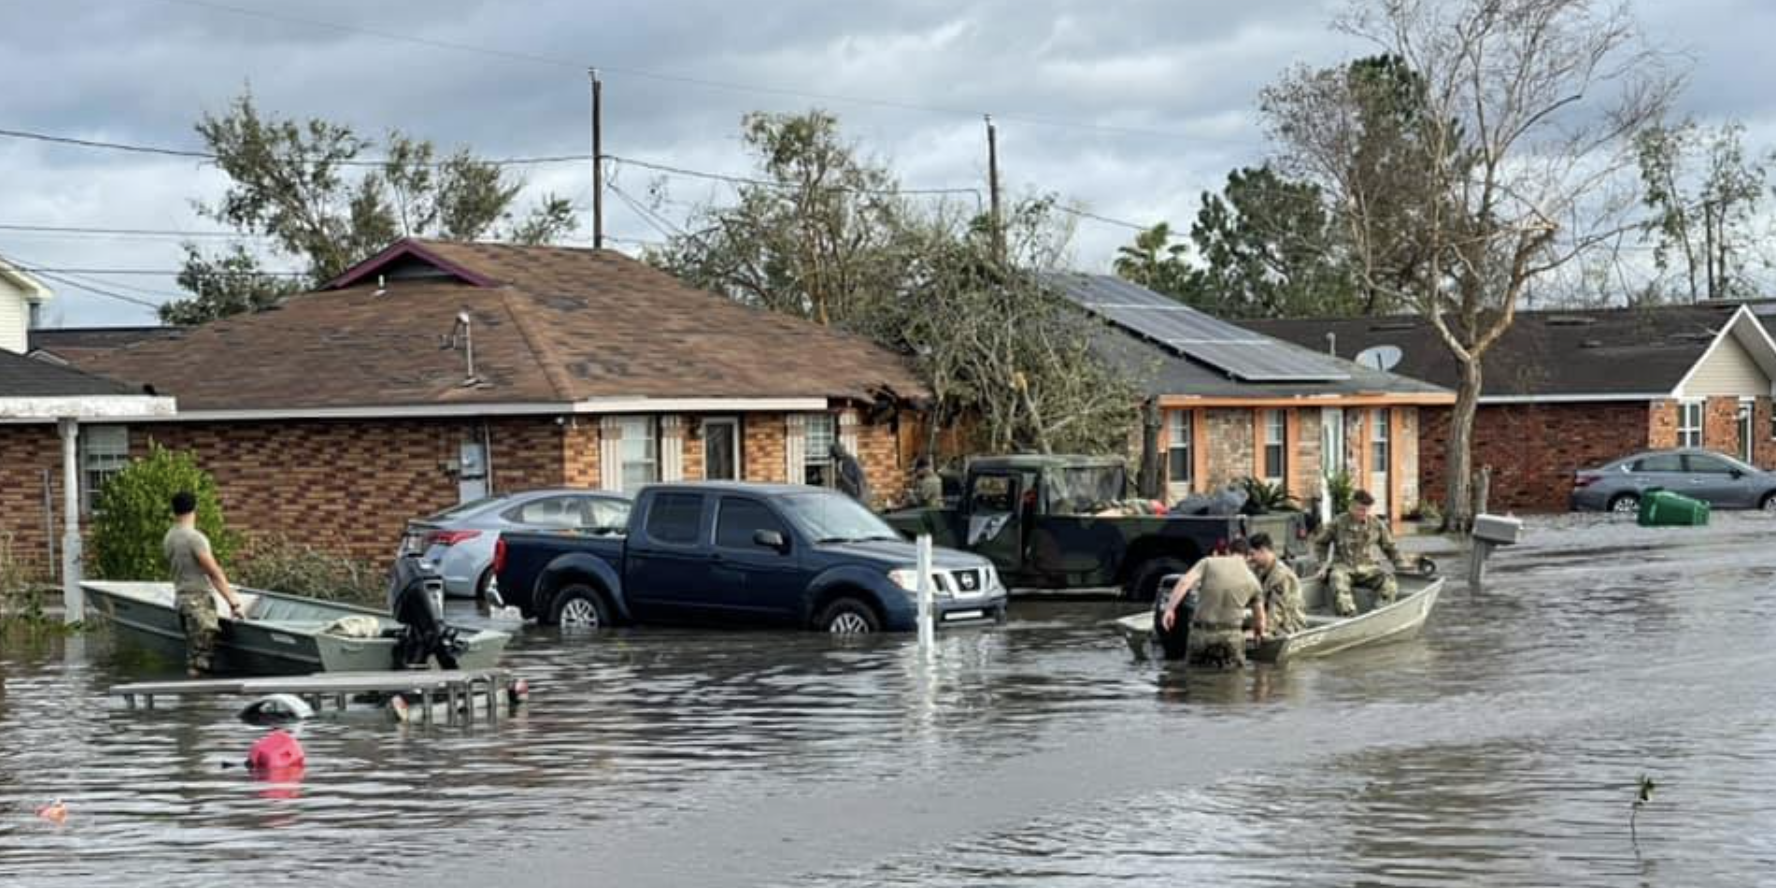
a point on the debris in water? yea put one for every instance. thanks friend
(54, 812)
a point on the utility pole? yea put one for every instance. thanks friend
(995, 219)
(597, 160)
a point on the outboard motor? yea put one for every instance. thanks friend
(416, 597)
(1173, 644)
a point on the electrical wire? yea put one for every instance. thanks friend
(78, 230)
(90, 288)
(767, 183)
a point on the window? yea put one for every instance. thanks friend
(675, 517)
(1709, 465)
(822, 432)
(1747, 425)
(640, 452)
(1659, 462)
(991, 494)
(104, 451)
(1276, 437)
(1379, 450)
(1179, 462)
(554, 511)
(739, 519)
(1689, 424)
(607, 514)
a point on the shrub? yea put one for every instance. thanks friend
(1262, 497)
(1340, 488)
(279, 564)
(133, 511)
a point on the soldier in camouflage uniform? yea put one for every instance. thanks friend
(926, 489)
(1225, 587)
(1284, 605)
(1354, 535)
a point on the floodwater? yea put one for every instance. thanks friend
(1503, 747)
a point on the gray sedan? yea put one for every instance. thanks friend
(458, 542)
(1720, 480)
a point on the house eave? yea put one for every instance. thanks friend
(593, 407)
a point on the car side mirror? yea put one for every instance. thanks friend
(1736, 473)
(770, 539)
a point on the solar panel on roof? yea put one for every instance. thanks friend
(1227, 347)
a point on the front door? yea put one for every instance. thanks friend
(721, 449)
(1381, 454)
(471, 475)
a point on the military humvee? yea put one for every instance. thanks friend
(1040, 520)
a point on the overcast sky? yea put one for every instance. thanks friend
(1128, 109)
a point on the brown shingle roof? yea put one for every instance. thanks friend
(550, 325)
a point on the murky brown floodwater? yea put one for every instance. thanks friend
(1501, 748)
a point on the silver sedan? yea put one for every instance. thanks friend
(458, 542)
(1720, 480)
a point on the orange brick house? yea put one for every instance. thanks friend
(440, 372)
(1566, 390)
(1236, 404)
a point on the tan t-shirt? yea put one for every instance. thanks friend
(183, 546)
(1228, 585)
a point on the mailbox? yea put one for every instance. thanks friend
(1499, 530)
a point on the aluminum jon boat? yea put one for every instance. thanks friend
(1326, 633)
(280, 634)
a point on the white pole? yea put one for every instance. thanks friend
(73, 600)
(927, 631)
(1325, 498)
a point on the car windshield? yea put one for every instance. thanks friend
(835, 518)
(1083, 490)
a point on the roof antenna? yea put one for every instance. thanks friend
(381, 287)
(462, 335)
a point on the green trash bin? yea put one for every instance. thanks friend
(1662, 508)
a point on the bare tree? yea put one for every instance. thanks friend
(1520, 144)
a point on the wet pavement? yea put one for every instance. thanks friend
(1501, 747)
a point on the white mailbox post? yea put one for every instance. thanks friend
(1490, 532)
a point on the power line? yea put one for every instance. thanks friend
(767, 183)
(729, 86)
(79, 230)
(96, 290)
(159, 272)
(1075, 211)
(164, 151)
(654, 220)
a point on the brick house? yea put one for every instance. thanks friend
(1565, 390)
(435, 373)
(1237, 404)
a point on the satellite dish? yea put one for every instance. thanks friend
(1380, 357)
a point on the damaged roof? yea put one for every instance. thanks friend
(548, 325)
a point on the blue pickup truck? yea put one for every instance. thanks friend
(729, 554)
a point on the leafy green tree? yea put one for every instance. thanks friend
(307, 187)
(1159, 262)
(132, 512)
(1704, 192)
(1270, 249)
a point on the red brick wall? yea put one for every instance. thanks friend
(1720, 425)
(579, 453)
(26, 452)
(764, 443)
(1535, 448)
(1763, 442)
(878, 448)
(1661, 425)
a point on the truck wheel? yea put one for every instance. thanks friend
(1143, 584)
(579, 607)
(848, 616)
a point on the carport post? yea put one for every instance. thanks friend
(926, 631)
(73, 600)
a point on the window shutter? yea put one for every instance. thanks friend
(610, 453)
(672, 450)
(795, 448)
(848, 432)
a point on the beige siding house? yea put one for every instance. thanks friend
(20, 295)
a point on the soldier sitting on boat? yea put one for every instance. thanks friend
(1283, 601)
(1353, 537)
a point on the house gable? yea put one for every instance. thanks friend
(18, 292)
(1740, 362)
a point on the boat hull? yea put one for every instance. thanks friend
(280, 636)
(1326, 634)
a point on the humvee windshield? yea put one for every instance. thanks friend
(1084, 490)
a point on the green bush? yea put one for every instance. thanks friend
(1262, 497)
(133, 511)
(1340, 488)
(279, 564)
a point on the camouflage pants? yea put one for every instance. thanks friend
(1371, 579)
(1285, 615)
(197, 617)
(1215, 648)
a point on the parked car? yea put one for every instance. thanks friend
(731, 554)
(1720, 480)
(458, 542)
(1039, 519)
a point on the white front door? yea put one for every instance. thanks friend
(471, 475)
(1381, 452)
(1331, 440)
(1746, 451)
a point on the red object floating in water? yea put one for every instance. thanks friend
(55, 812)
(275, 751)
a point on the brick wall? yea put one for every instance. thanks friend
(764, 445)
(1406, 452)
(878, 448)
(1720, 425)
(693, 449)
(1662, 424)
(1535, 448)
(579, 453)
(26, 452)
(1306, 467)
(1229, 440)
(1763, 442)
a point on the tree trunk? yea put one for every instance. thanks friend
(1458, 515)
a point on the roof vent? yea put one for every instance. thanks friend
(1591, 343)
(1569, 321)
(1391, 326)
